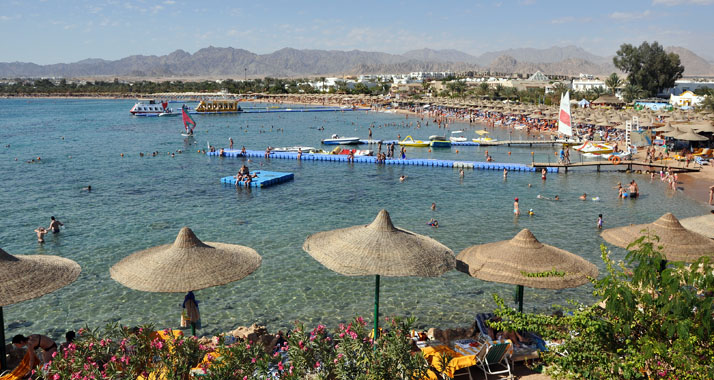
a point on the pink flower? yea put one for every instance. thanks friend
(56, 376)
(317, 364)
(280, 366)
(252, 360)
(335, 361)
(54, 354)
(245, 377)
(339, 356)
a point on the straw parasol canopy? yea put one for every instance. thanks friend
(516, 261)
(186, 265)
(678, 243)
(379, 249)
(19, 274)
(18, 281)
(690, 136)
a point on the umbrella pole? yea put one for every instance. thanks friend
(519, 295)
(376, 308)
(3, 360)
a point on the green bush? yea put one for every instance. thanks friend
(653, 323)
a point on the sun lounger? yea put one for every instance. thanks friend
(22, 369)
(493, 357)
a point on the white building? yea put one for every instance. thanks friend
(683, 85)
(584, 83)
(430, 75)
(686, 99)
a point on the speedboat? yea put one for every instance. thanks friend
(458, 139)
(594, 148)
(437, 141)
(409, 141)
(484, 140)
(356, 152)
(295, 149)
(337, 140)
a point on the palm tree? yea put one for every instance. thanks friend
(613, 82)
(631, 92)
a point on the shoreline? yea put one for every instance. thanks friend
(695, 185)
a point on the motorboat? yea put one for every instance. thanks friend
(295, 149)
(457, 138)
(594, 148)
(337, 140)
(409, 141)
(440, 144)
(436, 141)
(484, 140)
(356, 152)
(152, 107)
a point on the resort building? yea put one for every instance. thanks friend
(587, 82)
(431, 75)
(685, 100)
(683, 85)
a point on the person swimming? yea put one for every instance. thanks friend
(583, 197)
(434, 223)
(531, 212)
(41, 232)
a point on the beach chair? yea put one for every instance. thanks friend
(22, 369)
(495, 356)
(481, 328)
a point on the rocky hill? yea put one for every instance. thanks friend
(216, 62)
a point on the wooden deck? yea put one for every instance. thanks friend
(677, 166)
(520, 142)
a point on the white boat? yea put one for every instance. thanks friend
(295, 149)
(151, 107)
(457, 139)
(337, 140)
(437, 138)
(592, 148)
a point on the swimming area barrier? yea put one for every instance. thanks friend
(476, 165)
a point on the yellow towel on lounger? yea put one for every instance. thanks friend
(22, 370)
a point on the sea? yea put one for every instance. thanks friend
(140, 202)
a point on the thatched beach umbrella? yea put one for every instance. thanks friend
(186, 265)
(19, 276)
(678, 243)
(379, 249)
(525, 261)
(690, 136)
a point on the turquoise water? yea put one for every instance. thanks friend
(139, 202)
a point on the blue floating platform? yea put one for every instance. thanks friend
(477, 165)
(264, 179)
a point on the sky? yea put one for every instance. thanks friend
(54, 31)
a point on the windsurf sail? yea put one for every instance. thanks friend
(564, 121)
(187, 121)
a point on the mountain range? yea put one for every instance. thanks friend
(215, 62)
